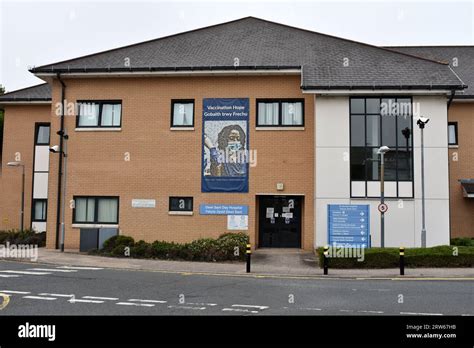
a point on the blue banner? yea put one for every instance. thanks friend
(225, 149)
(349, 225)
(223, 209)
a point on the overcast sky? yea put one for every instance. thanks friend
(34, 33)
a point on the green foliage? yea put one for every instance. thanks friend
(462, 241)
(203, 249)
(23, 237)
(439, 256)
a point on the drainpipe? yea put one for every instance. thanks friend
(60, 166)
(451, 98)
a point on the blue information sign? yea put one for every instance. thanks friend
(349, 225)
(223, 209)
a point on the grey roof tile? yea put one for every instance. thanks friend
(40, 92)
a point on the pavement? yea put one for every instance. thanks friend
(265, 262)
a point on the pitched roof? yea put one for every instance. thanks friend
(30, 94)
(263, 44)
(460, 58)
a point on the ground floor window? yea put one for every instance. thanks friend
(103, 210)
(40, 207)
(452, 133)
(181, 204)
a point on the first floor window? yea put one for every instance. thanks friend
(99, 114)
(181, 204)
(102, 210)
(182, 113)
(39, 209)
(452, 133)
(42, 134)
(280, 112)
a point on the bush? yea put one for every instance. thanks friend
(462, 241)
(203, 249)
(23, 237)
(439, 256)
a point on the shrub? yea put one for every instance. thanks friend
(23, 237)
(117, 241)
(462, 241)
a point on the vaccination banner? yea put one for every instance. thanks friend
(225, 145)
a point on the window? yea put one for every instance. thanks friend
(376, 122)
(182, 113)
(181, 204)
(452, 133)
(42, 134)
(96, 210)
(99, 114)
(280, 112)
(40, 207)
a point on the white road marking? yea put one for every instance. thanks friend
(55, 295)
(249, 306)
(151, 301)
(101, 298)
(373, 312)
(9, 276)
(239, 310)
(135, 304)
(187, 307)
(346, 310)
(202, 304)
(26, 272)
(312, 309)
(40, 298)
(80, 268)
(74, 300)
(52, 270)
(467, 315)
(15, 292)
(413, 313)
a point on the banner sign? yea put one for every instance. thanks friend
(225, 145)
(348, 225)
(223, 209)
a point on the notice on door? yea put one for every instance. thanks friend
(270, 212)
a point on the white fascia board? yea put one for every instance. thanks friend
(24, 102)
(346, 92)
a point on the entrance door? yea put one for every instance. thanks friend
(280, 221)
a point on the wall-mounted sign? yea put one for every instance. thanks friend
(223, 209)
(238, 222)
(225, 145)
(349, 225)
(143, 203)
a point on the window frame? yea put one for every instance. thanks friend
(182, 101)
(37, 127)
(455, 124)
(96, 211)
(33, 210)
(181, 197)
(367, 148)
(280, 102)
(99, 120)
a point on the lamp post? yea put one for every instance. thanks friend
(422, 121)
(381, 151)
(22, 211)
(56, 149)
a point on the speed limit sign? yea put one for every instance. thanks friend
(383, 208)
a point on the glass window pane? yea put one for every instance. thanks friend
(404, 107)
(108, 210)
(80, 209)
(292, 114)
(357, 106)
(42, 138)
(373, 164)
(373, 130)
(88, 114)
(358, 157)
(357, 130)
(404, 133)
(405, 164)
(111, 114)
(388, 107)
(452, 134)
(183, 114)
(389, 132)
(39, 210)
(373, 105)
(390, 160)
(181, 204)
(268, 114)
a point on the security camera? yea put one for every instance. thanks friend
(422, 121)
(383, 149)
(54, 149)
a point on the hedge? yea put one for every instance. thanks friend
(463, 241)
(204, 249)
(439, 256)
(23, 237)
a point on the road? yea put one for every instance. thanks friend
(40, 289)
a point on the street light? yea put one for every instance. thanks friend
(422, 121)
(382, 151)
(22, 212)
(56, 149)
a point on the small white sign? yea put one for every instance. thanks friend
(270, 212)
(238, 222)
(143, 203)
(287, 215)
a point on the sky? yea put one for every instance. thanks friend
(34, 33)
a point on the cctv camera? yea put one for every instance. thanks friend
(54, 148)
(422, 121)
